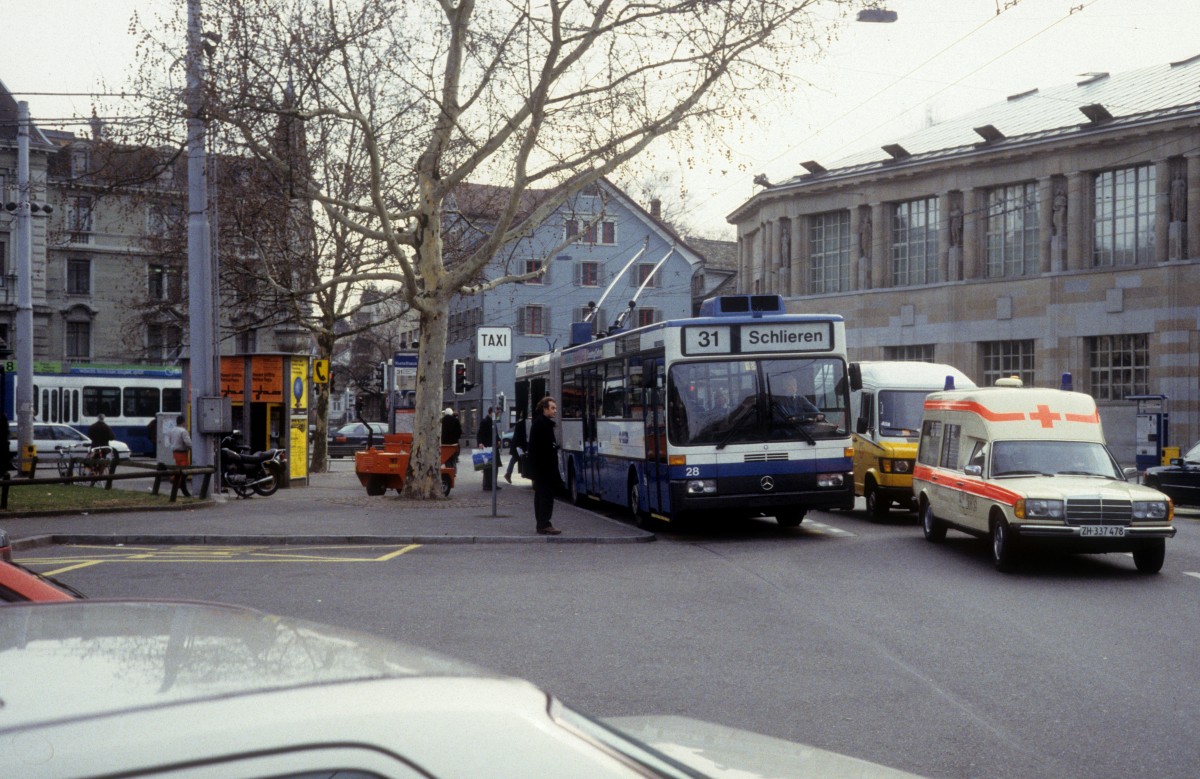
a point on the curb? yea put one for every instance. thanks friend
(143, 539)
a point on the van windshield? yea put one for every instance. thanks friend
(900, 412)
(1053, 458)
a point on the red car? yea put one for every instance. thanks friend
(18, 583)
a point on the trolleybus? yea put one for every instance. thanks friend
(741, 412)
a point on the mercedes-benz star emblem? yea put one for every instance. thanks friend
(767, 483)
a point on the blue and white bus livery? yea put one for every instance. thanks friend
(739, 412)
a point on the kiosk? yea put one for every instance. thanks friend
(269, 393)
(1150, 430)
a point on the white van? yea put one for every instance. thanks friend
(1025, 466)
(887, 399)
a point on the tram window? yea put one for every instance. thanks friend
(614, 391)
(102, 400)
(172, 400)
(141, 401)
(71, 413)
(37, 396)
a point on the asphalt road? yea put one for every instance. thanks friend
(848, 634)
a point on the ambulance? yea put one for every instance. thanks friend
(887, 399)
(1024, 467)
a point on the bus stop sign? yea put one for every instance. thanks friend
(493, 344)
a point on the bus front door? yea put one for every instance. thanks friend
(657, 489)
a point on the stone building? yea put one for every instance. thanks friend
(1056, 232)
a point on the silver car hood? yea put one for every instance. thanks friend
(722, 752)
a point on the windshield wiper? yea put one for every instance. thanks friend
(1021, 473)
(1085, 473)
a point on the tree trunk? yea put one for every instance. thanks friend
(424, 479)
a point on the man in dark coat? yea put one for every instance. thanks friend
(517, 449)
(487, 428)
(542, 465)
(451, 433)
(100, 433)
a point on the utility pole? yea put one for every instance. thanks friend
(24, 350)
(203, 371)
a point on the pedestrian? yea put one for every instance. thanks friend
(100, 433)
(181, 448)
(485, 439)
(5, 454)
(517, 449)
(152, 434)
(542, 465)
(451, 434)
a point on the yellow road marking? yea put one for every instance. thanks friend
(73, 567)
(212, 554)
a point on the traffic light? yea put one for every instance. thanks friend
(379, 371)
(460, 377)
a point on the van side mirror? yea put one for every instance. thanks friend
(1130, 473)
(973, 470)
(861, 426)
(1176, 462)
(855, 377)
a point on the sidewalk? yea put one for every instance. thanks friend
(335, 509)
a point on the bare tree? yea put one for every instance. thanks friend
(413, 100)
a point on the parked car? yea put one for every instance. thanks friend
(1180, 480)
(18, 583)
(351, 438)
(54, 441)
(223, 691)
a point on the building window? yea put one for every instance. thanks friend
(4, 260)
(912, 353)
(587, 274)
(163, 219)
(165, 282)
(829, 252)
(247, 341)
(644, 269)
(79, 276)
(589, 230)
(81, 161)
(533, 320)
(1124, 226)
(915, 242)
(1012, 231)
(79, 218)
(532, 266)
(163, 342)
(1120, 366)
(647, 316)
(79, 341)
(1002, 359)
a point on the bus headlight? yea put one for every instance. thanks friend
(1150, 509)
(1038, 509)
(702, 487)
(831, 479)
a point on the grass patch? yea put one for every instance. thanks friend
(74, 498)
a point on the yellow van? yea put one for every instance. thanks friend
(1030, 466)
(887, 399)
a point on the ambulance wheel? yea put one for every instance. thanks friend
(1149, 557)
(1004, 551)
(878, 505)
(445, 486)
(790, 517)
(934, 528)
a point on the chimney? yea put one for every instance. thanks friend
(656, 208)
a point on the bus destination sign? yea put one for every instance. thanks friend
(767, 337)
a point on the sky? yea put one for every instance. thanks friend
(875, 84)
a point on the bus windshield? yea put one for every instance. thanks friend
(750, 401)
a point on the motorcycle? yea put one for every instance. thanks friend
(248, 473)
